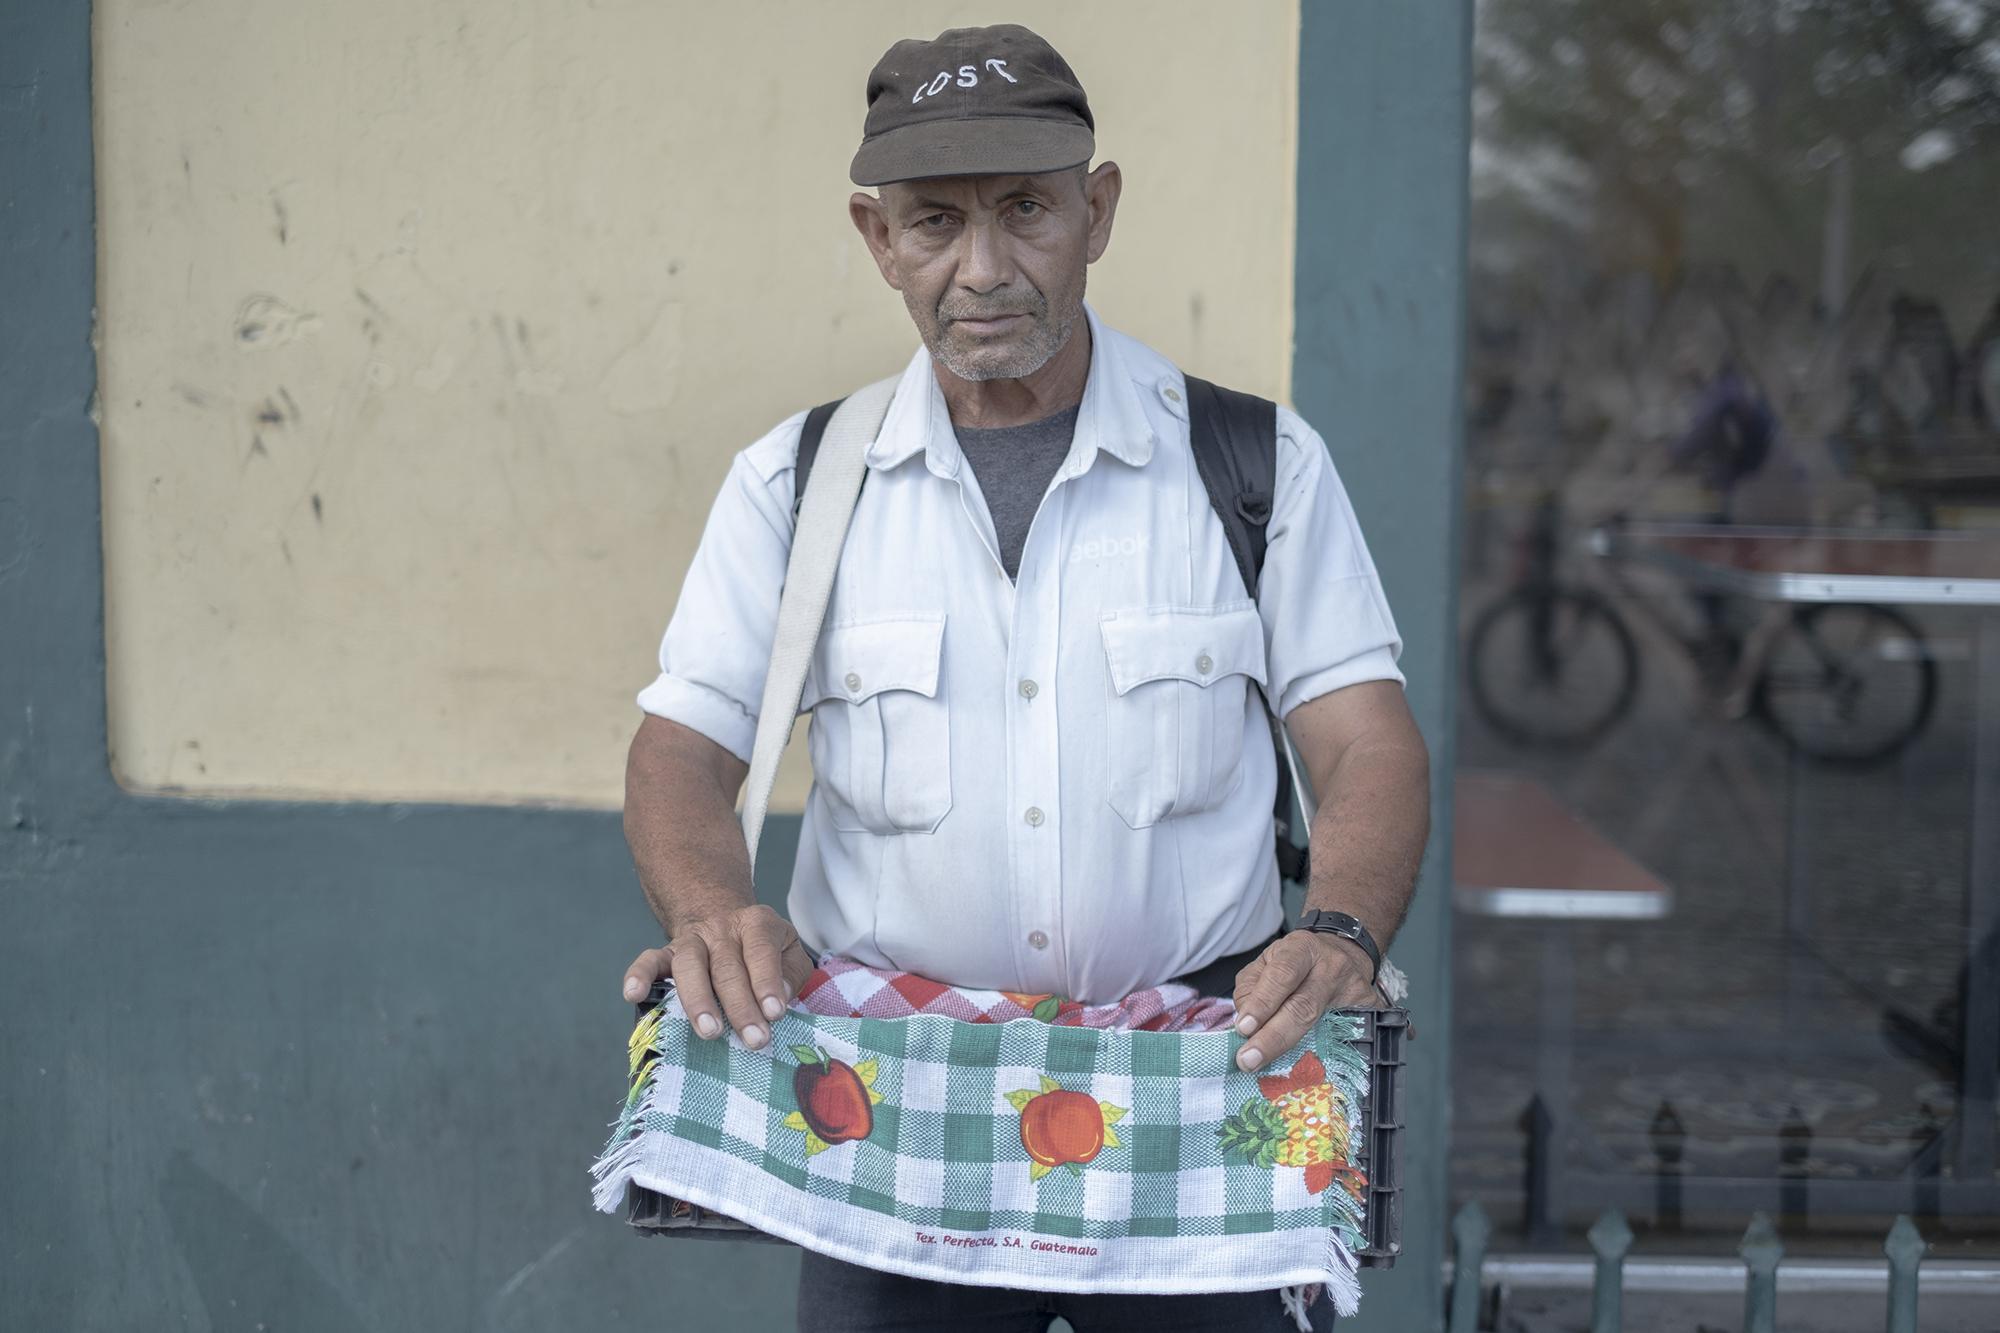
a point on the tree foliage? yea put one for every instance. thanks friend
(1653, 134)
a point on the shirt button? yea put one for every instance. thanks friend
(1204, 664)
(1038, 940)
(1029, 689)
(1034, 816)
(1173, 395)
(853, 682)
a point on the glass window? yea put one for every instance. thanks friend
(1728, 848)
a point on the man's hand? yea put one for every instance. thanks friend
(1281, 995)
(726, 959)
(748, 963)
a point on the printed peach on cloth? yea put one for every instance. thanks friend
(997, 1148)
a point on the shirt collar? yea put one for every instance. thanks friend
(1112, 418)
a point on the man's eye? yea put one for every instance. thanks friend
(935, 222)
(1027, 208)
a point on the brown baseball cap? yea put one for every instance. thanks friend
(972, 102)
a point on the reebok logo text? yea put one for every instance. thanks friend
(1110, 547)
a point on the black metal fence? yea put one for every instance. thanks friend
(1611, 1242)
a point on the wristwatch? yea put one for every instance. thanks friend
(1348, 928)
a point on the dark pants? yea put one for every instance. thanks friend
(1218, 979)
(836, 1297)
(843, 1298)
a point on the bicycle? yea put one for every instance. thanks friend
(1552, 663)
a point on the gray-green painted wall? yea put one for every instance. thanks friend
(343, 1067)
(273, 1066)
(1384, 103)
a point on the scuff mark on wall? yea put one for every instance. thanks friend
(17, 558)
(528, 1270)
(523, 373)
(646, 376)
(371, 323)
(409, 231)
(446, 355)
(248, 1272)
(434, 376)
(264, 321)
(18, 97)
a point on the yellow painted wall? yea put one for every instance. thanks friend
(428, 331)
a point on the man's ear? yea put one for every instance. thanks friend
(871, 219)
(1100, 191)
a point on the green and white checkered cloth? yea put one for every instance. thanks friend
(1013, 1154)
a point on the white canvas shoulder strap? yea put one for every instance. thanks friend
(831, 493)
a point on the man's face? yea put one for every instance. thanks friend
(991, 267)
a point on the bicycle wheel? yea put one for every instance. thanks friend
(1848, 683)
(1552, 667)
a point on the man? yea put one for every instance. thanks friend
(1729, 433)
(1040, 750)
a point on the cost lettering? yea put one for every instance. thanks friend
(966, 76)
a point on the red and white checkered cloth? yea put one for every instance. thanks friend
(844, 989)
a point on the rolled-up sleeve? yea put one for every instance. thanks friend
(1326, 623)
(717, 648)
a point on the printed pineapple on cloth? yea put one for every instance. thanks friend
(1021, 1153)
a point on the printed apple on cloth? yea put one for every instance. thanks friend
(1003, 1149)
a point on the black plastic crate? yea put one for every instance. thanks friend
(1383, 1033)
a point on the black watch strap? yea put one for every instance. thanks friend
(1348, 928)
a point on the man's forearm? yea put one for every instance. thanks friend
(1368, 833)
(680, 821)
(1372, 773)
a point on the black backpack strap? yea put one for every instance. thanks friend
(809, 438)
(1235, 441)
(1234, 437)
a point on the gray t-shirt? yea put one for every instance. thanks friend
(1014, 465)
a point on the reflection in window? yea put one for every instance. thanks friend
(1730, 654)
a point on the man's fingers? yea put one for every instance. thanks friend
(647, 968)
(1280, 970)
(762, 958)
(1246, 982)
(798, 965)
(1283, 1003)
(691, 980)
(740, 969)
(731, 979)
(1295, 1017)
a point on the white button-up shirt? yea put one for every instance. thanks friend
(1057, 785)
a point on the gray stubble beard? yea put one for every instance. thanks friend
(1043, 342)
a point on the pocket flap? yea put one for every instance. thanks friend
(859, 661)
(1196, 644)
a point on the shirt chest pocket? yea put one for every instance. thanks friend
(881, 734)
(1179, 681)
